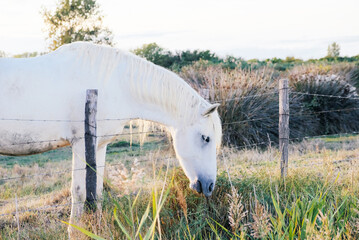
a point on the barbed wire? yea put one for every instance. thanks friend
(65, 120)
(114, 164)
(42, 174)
(34, 142)
(324, 135)
(12, 200)
(128, 134)
(78, 138)
(336, 162)
(166, 145)
(324, 95)
(52, 206)
(40, 209)
(216, 101)
(244, 97)
(250, 120)
(269, 142)
(325, 111)
(40, 120)
(70, 170)
(147, 132)
(293, 114)
(245, 146)
(46, 207)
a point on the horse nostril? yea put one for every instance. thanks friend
(210, 188)
(200, 190)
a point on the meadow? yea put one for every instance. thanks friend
(146, 192)
(318, 199)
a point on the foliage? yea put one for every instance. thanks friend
(189, 57)
(333, 115)
(302, 207)
(352, 76)
(176, 61)
(158, 55)
(333, 50)
(249, 103)
(75, 20)
(249, 100)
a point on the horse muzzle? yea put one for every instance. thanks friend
(204, 186)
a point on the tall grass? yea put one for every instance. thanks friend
(249, 100)
(313, 203)
(332, 115)
(318, 200)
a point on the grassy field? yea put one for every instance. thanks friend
(318, 200)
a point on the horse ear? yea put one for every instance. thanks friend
(210, 110)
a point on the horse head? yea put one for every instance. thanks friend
(196, 146)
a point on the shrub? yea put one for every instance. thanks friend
(332, 114)
(249, 100)
(249, 103)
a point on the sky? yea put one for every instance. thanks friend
(241, 28)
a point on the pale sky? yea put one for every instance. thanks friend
(242, 28)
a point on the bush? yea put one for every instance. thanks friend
(249, 103)
(249, 100)
(332, 114)
(159, 56)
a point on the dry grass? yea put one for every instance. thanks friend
(249, 100)
(327, 166)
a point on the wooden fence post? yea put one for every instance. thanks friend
(90, 148)
(283, 125)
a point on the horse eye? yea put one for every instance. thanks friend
(204, 138)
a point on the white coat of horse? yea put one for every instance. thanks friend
(53, 88)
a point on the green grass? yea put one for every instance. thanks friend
(340, 138)
(115, 151)
(57, 155)
(318, 199)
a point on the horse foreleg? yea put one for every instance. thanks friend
(78, 186)
(100, 163)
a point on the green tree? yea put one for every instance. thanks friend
(188, 57)
(75, 20)
(333, 50)
(156, 54)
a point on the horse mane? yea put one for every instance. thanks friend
(149, 83)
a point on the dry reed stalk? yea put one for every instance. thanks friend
(181, 200)
(261, 226)
(236, 212)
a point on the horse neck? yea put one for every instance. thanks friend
(159, 114)
(156, 115)
(161, 96)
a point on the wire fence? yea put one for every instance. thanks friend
(240, 147)
(16, 201)
(44, 208)
(324, 95)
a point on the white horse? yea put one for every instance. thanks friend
(53, 88)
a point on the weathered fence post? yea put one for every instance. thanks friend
(283, 125)
(90, 148)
